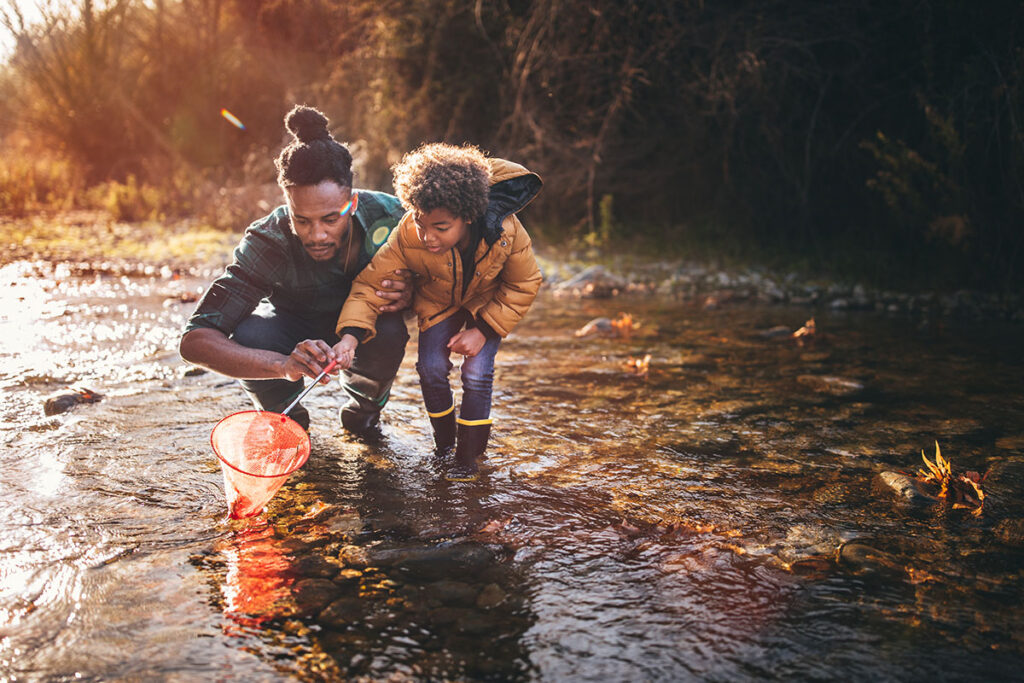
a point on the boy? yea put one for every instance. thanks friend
(477, 277)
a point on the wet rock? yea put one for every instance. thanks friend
(342, 612)
(443, 616)
(491, 596)
(347, 522)
(64, 401)
(825, 384)
(476, 623)
(1011, 443)
(452, 592)
(436, 562)
(863, 558)
(354, 556)
(903, 487)
(777, 332)
(194, 371)
(593, 282)
(315, 566)
(597, 326)
(313, 595)
(1010, 532)
(348, 576)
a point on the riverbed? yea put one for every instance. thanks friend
(693, 496)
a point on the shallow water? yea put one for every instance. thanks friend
(681, 525)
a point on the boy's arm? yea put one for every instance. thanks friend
(520, 282)
(363, 304)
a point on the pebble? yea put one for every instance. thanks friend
(903, 486)
(64, 401)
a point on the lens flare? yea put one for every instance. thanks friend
(232, 119)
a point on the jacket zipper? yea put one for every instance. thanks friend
(455, 277)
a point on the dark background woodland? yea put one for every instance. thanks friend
(884, 133)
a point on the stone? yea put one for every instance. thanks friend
(313, 595)
(1010, 532)
(63, 401)
(491, 596)
(865, 559)
(342, 612)
(902, 486)
(315, 566)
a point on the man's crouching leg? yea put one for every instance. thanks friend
(368, 382)
(273, 330)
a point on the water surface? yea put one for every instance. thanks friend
(682, 524)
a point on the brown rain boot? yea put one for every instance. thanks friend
(470, 446)
(444, 432)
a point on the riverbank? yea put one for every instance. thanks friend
(85, 242)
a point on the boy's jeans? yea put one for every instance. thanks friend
(368, 382)
(477, 372)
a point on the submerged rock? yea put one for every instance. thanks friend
(837, 386)
(864, 558)
(598, 326)
(904, 487)
(64, 401)
(436, 562)
(313, 595)
(1010, 532)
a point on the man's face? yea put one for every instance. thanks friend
(440, 230)
(321, 216)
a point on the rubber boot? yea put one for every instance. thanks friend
(444, 432)
(470, 444)
(363, 424)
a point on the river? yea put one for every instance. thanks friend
(716, 517)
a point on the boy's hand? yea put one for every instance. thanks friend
(345, 351)
(398, 290)
(468, 342)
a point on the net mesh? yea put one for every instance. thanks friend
(261, 444)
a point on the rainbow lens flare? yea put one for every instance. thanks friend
(345, 208)
(232, 119)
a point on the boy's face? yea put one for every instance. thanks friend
(441, 230)
(321, 216)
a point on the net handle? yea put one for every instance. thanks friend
(330, 366)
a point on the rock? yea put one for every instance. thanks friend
(313, 595)
(824, 384)
(775, 332)
(436, 562)
(865, 559)
(342, 612)
(593, 282)
(491, 596)
(452, 592)
(194, 371)
(1011, 443)
(903, 487)
(64, 401)
(598, 326)
(354, 556)
(1010, 532)
(315, 566)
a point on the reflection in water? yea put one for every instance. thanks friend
(716, 517)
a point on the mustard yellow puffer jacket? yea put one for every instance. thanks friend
(503, 284)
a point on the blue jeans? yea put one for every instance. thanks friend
(368, 382)
(434, 365)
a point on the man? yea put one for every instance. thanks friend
(269, 319)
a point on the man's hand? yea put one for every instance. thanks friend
(308, 359)
(398, 290)
(468, 342)
(345, 351)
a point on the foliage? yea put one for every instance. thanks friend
(962, 490)
(863, 133)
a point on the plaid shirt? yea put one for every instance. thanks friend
(271, 264)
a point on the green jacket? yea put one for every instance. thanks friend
(270, 264)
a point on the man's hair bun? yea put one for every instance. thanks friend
(307, 124)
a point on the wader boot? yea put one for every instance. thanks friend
(443, 425)
(471, 443)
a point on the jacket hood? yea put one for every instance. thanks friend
(512, 188)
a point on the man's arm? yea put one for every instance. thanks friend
(212, 349)
(397, 290)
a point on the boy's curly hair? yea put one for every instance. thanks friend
(442, 176)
